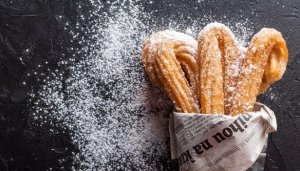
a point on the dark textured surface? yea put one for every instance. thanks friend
(33, 30)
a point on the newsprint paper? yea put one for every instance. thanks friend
(212, 142)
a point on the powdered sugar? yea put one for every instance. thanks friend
(169, 35)
(215, 25)
(116, 118)
(106, 102)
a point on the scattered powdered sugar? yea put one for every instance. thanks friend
(117, 120)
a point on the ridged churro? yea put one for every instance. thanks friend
(218, 67)
(169, 60)
(264, 63)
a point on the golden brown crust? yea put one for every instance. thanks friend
(148, 62)
(171, 65)
(173, 79)
(218, 53)
(265, 63)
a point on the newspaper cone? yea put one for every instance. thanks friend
(211, 142)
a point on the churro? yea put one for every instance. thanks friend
(218, 67)
(169, 60)
(264, 63)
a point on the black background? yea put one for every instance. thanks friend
(34, 31)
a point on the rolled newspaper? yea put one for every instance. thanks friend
(212, 142)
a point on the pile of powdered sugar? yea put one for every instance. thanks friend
(116, 118)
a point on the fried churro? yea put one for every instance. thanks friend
(264, 63)
(218, 67)
(169, 60)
